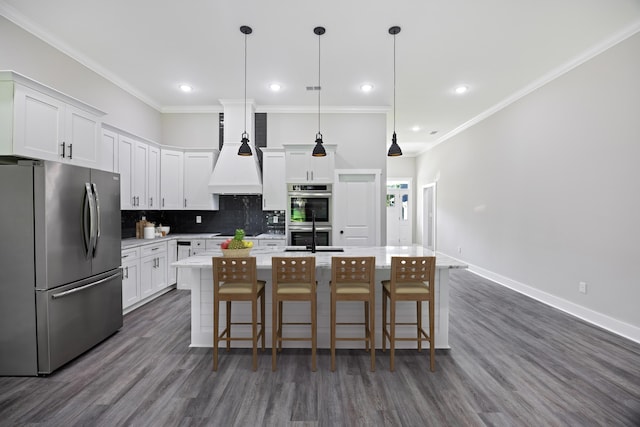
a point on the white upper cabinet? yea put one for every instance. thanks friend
(198, 166)
(153, 183)
(41, 123)
(302, 167)
(108, 151)
(171, 179)
(274, 186)
(126, 148)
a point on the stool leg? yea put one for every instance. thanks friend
(228, 325)
(432, 341)
(333, 333)
(280, 305)
(366, 325)
(254, 331)
(372, 329)
(274, 332)
(419, 324)
(262, 320)
(216, 332)
(392, 333)
(314, 332)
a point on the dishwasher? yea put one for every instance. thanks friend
(184, 251)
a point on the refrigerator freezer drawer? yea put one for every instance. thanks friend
(76, 317)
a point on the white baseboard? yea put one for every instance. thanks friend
(601, 320)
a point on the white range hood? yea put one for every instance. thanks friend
(235, 174)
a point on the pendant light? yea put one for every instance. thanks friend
(394, 150)
(245, 149)
(318, 150)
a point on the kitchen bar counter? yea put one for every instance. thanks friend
(198, 272)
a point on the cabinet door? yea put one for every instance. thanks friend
(274, 188)
(140, 174)
(197, 171)
(108, 151)
(172, 256)
(130, 283)
(159, 272)
(147, 267)
(39, 125)
(125, 166)
(321, 168)
(171, 179)
(154, 178)
(82, 132)
(297, 165)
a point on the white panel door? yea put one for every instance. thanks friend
(108, 151)
(141, 175)
(356, 210)
(399, 229)
(82, 133)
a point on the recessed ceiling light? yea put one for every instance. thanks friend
(433, 132)
(366, 87)
(415, 128)
(275, 87)
(461, 89)
(185, 88)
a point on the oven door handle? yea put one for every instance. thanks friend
(308, 228)
(311, 195)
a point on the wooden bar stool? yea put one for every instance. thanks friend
(353, 279)
(412, 279)
(294, 279)
(234, 279)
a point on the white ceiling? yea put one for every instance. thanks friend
(499, 48)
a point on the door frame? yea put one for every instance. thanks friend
(378, 214)
(425, 211)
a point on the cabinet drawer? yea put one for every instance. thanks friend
(154, 249)
(273, 242)
(130, 254)
(215, 243)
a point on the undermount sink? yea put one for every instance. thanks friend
(308, 249)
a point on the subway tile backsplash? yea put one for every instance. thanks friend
(242, 211)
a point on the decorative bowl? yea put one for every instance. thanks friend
(164, 230)
(236, 252)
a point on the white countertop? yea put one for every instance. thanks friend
(383, 256)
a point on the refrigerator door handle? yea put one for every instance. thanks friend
(86, 228)
(92, 219)
(97, 202)
(82, 288)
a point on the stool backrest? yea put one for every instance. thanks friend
(353, 270)
(294, 269)
(413, 269)
(234, 270)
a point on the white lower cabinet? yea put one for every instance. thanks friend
(145, 274)
(130, 277)
(172, 256)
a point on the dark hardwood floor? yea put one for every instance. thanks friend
(514, 362)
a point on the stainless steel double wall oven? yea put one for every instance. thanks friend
(305, 201)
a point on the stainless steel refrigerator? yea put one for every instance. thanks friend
(60, 276)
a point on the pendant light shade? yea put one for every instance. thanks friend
(245, 149)
(318, 150)
(394, 150)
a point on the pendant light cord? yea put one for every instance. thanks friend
(319, 87)
(245, 83)
(394, 83)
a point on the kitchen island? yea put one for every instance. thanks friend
(198, 272)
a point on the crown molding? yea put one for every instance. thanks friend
(538, 83)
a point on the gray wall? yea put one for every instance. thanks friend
(191, 130)
(26, 54)
(546, 192)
